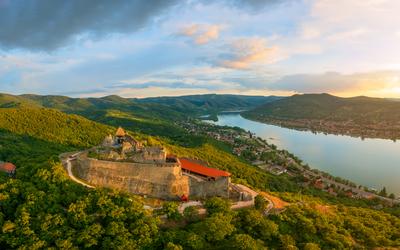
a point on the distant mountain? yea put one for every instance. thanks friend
(154, 116)
(155, 106)
(357, 116)
(211, 102)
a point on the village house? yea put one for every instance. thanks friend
(8, 168)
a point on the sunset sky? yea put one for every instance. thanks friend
(160, 47)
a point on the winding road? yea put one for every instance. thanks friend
(69, 170)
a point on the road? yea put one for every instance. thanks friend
(69, 170)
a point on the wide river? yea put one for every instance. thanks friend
(371, 162)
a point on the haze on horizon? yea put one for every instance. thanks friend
(160, 48)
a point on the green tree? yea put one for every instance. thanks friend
(217, 205)
(170, 209)
(244, 242)
(191, 214)
(311, 246)
(172, 246)
(215, 228)
(260, 203)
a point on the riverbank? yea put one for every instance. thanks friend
(370, 162)
(348, 128)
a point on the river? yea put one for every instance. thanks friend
(371, 162)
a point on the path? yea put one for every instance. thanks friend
(69, 170)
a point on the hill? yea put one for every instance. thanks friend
(42, 208)
(156, 106)
(53, 126)
(356, 116)
(151, 116)
(211, 102)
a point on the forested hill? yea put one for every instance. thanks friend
(53, 126)
(159, 107)
(357, 116)
(211, 102)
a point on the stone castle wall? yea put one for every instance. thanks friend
(162, 180)
(204, 189)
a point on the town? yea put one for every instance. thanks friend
(277, 161)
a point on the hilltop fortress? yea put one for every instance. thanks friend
(122, 162)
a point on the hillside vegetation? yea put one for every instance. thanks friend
(43, 208)
(151, 116)
(53, 126)
(356, 116)
(159, 107)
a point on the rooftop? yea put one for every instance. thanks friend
(197, 168)
(120, 132)
(7, 167)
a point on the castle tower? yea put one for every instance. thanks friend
(120, 135)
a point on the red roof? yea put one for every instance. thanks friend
(7, 167)
(202, 170)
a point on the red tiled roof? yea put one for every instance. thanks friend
(200, 169)
(7, 167)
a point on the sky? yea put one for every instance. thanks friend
(181, 47)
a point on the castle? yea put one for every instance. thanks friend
(122, 162)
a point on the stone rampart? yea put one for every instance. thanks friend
(205, 189)
(161, 180)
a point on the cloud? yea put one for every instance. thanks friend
(49, 24)
(246, 52)
(201, 33)
(336, 83)
(254, 5)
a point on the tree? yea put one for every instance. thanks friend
(217, 205)
(287, 242)
(244, 242)
(311, 246)
(172, 246)
(215, 228)
(254, 223)
(383, 192)
(191, 214)
(260, 203)
(170, 209)
(392, 196)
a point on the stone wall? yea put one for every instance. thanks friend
(204, 189)
(161, 180)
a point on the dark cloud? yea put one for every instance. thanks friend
(48, 24)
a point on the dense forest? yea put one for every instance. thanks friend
(355, 116)
(41, 208)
